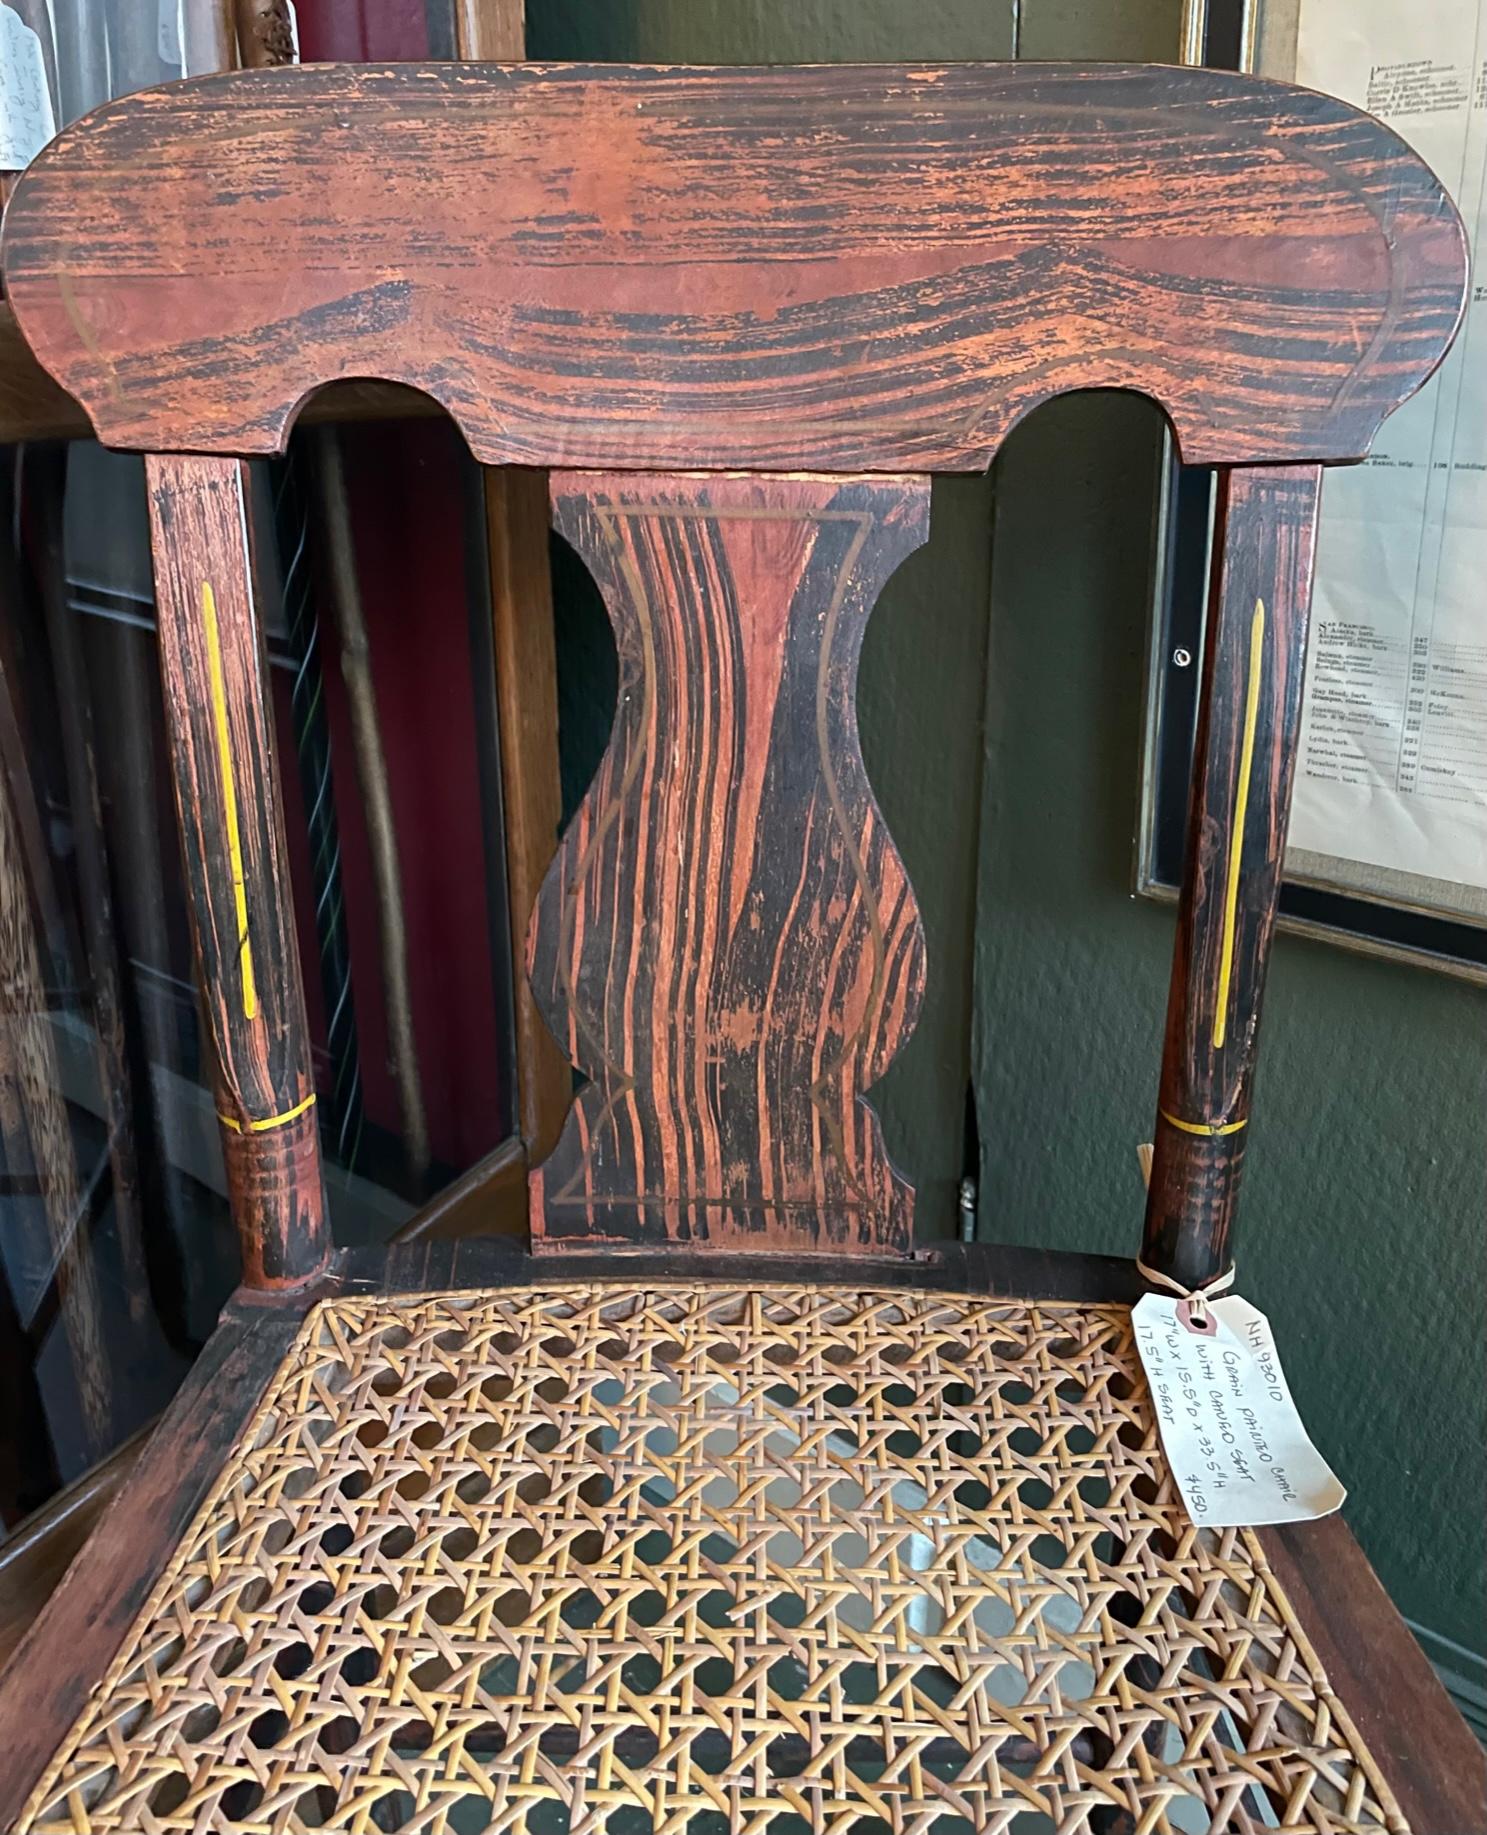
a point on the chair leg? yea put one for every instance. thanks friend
(237, 873)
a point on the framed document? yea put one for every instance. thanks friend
(1388, 836)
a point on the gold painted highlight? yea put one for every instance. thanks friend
(1207, 1128)
(269, 1121)
(1241, 810)
(229, 800)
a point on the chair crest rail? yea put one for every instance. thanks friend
(831, 268)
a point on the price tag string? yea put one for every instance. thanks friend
(1195, 1298)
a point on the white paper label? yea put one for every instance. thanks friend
(1229, 1427)
(26, 119)
(168, 32)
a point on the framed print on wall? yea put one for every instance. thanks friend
(1388, 839)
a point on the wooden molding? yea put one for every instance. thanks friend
(834, 268)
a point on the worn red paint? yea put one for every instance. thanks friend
(831, 269)
(727, 937)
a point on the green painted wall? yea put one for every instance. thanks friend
(766, 31)
(1008, 769)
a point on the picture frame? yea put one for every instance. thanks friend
(1375, 912)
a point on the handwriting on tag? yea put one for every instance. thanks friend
(26, 119)
(1229, 1427)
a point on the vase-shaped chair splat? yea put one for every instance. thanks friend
(727, 944)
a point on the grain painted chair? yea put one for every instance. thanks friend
(721, 1508)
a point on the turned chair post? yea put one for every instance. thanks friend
(220, 729)
(1244, 757)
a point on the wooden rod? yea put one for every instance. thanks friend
(516, 521)
(1248, 722)
(376, 791)
(237, 874)
(265, 35)
(490, 31)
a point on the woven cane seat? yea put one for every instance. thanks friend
(705, 1560)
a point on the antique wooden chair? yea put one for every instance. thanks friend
(721, 1507)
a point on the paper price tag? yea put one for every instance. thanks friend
(168, 32)
(26, 119)
(1229, 1427)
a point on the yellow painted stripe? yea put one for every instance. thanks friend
(269, 1121)
(1205, 1127)
(1241, 810)
(229, 798)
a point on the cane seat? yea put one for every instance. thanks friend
(706, 1557)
